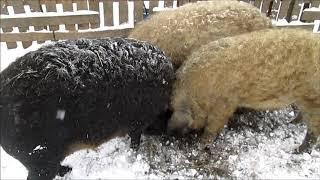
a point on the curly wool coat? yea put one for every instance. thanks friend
(184, 30)
(261, 70)
(80, 92)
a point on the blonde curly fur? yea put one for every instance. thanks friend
(181, 31)
(265, 69)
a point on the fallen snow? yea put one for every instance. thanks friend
(10, 55)
(11, 168)
(313, 9)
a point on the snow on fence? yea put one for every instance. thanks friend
(28, 21)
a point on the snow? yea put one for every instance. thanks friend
(239, 154)
(313, 9)
(284, 22)
(297, 23)
(157, 9)
(273, 159)
(9, 55)
(11, 168)
(112, 160)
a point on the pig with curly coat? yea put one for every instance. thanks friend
(77, 94)
(180, 32)
(261, 70)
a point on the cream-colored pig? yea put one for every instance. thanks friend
(180, 32)
(262, 70)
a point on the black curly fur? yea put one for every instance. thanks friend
(104, 86)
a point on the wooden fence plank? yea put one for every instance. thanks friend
(261, 5)
(297, 8)
(284, 9)
(123, 11)
(92, 34)
(286, 6)
(3, 7)
(26, 36)
(310, 15)
(182, 2)
(68, 7)
(279, 9)
(56, 35)
(35, 6)
(265, 6)
(94, 6)
(153, 4)
(290, 10)
(108, 12)
(168, 3)
(51, 7)
(257, 3)
(18, 7)
(3, 10)
(270, 7)
(49, 19)
(274, 9)
(315, 3)
(304, 5)
(138, 11)
(82, 5)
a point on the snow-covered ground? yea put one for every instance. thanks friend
(260, 146)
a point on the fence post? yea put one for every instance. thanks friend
(269, 12)
(68, 7)
(108, 12)
(290, 10)
(152, 4)
(279, 10)
(261, 5)
(4, 3)
(82, 5)
(123, 11)
(18, 7)
(138, 11)
(51, 7)
(35, 6)
(168, 3)
(94, 6)
(181, 2)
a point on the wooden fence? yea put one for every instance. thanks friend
(41, 20)
(296, 13)
(28, 21)
(284, 9)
